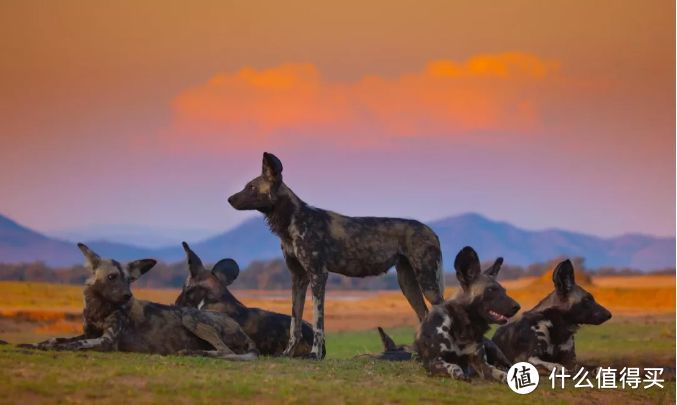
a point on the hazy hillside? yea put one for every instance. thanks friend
(252, 241)
(249, 241)
(522, 247)
(139, 235)
(20, 244)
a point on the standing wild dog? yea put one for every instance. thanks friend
(115, 320)
(208, 290)
(316, 242)
(544, 336)
(450, 340)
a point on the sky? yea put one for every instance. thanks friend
(544, 114)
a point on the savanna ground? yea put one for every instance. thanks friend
(642, 333)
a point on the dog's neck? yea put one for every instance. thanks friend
(562, 329)
(287, 205)
(96, 308)
(230, 305)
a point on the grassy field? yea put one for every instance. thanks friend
(641, 334)
(35, 376)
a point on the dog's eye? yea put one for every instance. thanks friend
(112, 276)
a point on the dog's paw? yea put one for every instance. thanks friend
(310, 356)
(290, 351)
(458, 374)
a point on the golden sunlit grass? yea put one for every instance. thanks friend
(55, 308)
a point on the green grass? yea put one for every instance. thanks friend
(112, 377)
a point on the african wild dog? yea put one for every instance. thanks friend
(544, 336)
(450, 340)
(208, 290)
(316, 242)
(115, 320)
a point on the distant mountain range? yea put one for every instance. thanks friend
(253, 241)
(138, 235)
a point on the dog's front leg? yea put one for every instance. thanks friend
(52, 342)
(299, 286)
(106, 342)
(478, 361)
(495, 356)
(487, 371)
(442, 368)
(318, 283)
(543, 365)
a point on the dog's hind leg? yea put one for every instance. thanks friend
(219, 355)
(411, 288)
(427, 265)
(209, 331)
(318, 284)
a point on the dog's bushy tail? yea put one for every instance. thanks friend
(391, 350)
(388, 342)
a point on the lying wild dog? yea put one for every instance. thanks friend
(544, 336)
(395, 352)
(115, 320)
(450, 340)
(208, 290)
(316, 242)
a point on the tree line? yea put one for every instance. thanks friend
(273, 275)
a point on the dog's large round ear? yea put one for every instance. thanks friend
(226, 271)
(195, 265)
(563, 277)
(467, 265)
(138, 268)
(494, 269)
(92, 260)
(272, 167)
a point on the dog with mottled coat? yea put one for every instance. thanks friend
(544, 335)
(207, 290)
(315, 242)
(115, 321)
(450, 340)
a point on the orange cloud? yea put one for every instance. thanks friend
(496, 92)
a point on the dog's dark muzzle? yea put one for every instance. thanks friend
(235, 201)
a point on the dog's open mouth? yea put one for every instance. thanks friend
(498, 317)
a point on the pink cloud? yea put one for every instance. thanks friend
(293, 102)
